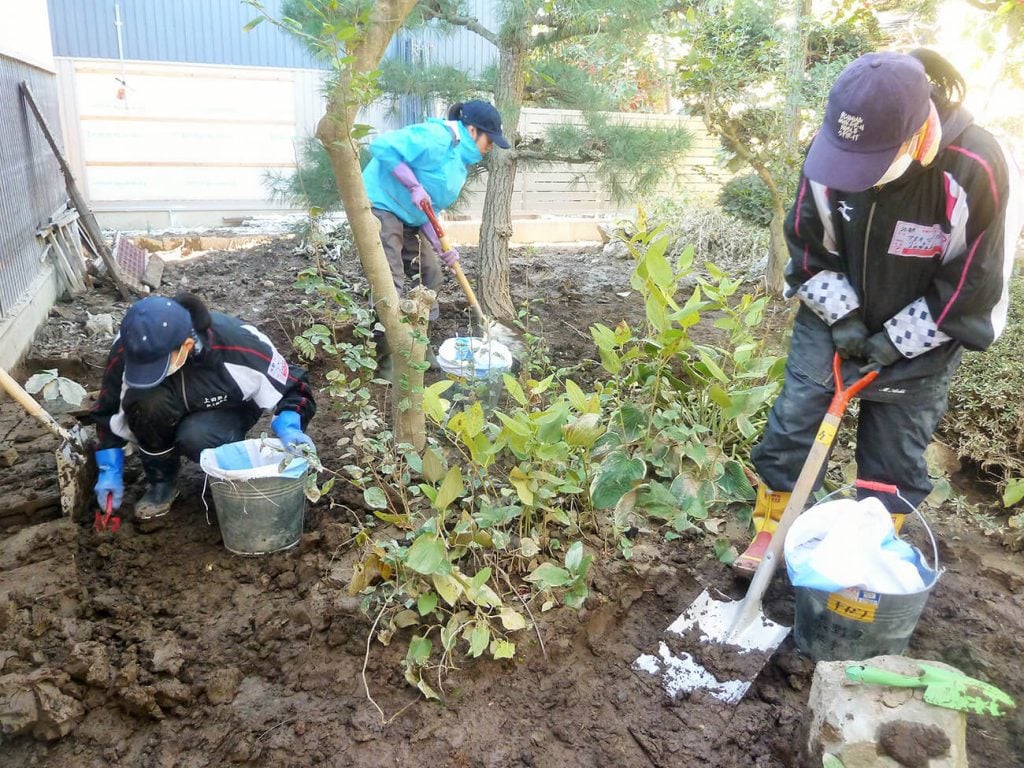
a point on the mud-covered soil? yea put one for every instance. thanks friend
(160, 648)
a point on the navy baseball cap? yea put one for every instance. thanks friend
(152, 330)
(878, 102)
(485, 117)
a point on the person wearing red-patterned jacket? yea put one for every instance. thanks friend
(180, 379)
(902, 240)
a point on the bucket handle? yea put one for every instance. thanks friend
(895, 491)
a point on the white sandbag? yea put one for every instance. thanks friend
(847, 543)
(249, 459)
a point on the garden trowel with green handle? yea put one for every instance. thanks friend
(942, 687)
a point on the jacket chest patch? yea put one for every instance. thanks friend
(917, 240)
(214, 401)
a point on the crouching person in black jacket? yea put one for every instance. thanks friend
(180, 379)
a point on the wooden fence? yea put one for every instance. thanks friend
(567, 189)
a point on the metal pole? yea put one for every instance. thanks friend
(120, 51)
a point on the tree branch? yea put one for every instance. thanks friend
(433, 9)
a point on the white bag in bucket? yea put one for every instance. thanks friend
(250, 459)
(847, 543)
(469, 357)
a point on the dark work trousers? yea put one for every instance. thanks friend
(408, 256)
(165, 429)
(895, 423)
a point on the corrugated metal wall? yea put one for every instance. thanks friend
(194, 31)
(31, 184)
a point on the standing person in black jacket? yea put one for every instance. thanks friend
(180, 379)
(901, 242)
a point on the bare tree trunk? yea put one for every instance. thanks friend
(496, 224)
(778, 255)
(335, 133)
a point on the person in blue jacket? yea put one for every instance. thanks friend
(425, 163)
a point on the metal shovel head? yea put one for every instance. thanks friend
(72, 469)
(716, 621)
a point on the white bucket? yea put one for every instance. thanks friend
(476, 366)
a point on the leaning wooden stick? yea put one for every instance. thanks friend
(88, 220)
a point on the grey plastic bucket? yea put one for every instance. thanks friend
(261, 515)
(856, 624)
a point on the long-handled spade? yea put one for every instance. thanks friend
(489, 327)
(71, 456)
(740, 626)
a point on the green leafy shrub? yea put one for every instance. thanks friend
(985, 420)
(748, 199)
(499, 519)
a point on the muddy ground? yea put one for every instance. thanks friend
(160, 648)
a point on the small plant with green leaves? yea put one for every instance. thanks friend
(684, 412)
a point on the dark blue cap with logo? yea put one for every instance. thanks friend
(484, 117)
(878, 102)
(152, 330)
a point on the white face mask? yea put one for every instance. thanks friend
(898, 168)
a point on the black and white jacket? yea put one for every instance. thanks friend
(927, 257)
(236, 365)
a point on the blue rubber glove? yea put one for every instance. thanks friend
(287, 426)
(110, 462)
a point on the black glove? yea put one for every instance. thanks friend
(849, 336)
(879, 351)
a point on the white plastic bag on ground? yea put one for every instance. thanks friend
(249, 459)
(847, 543)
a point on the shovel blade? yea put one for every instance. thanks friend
(71, 473)
(716, 621)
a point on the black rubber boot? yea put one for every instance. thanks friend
(161, 478)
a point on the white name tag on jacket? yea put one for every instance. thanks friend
(917, 240)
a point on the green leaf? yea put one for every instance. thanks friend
(725, 552)
(829, 760)
(633, 421)
(658, 268)
(434, 466)
(521, 482)
(451, 489)
(419, 650)
(513, 387)
(1014, 492)
(503, 649)
(719, 396)
(734, 483)
(434, 406)
(512, 620)
(574, 557)
(615, 477)
(426, 603)
(375, 498)
(479, 638)
(577, 399)
(547, 575)
(427, 554)
(447, 587)
(254, 23)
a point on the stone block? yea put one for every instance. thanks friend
(863, 725)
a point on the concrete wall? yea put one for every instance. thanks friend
(31, 185)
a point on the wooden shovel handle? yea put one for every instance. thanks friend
(31, 405)
(460, 276)
(805, 483)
